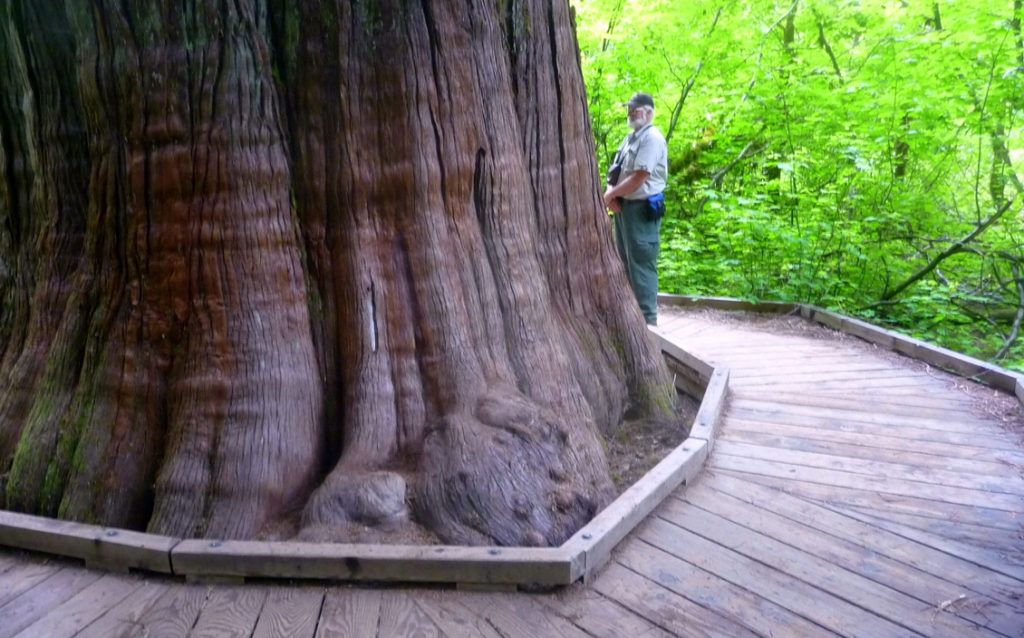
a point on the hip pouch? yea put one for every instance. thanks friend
(655, 207)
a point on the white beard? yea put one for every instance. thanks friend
(636, 124)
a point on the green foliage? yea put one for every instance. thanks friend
(831, 165)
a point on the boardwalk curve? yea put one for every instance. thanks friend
(848, 493)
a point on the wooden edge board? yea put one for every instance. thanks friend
(1019, 390)
(580, 556)
(961, 364)
(728, 303)
(100, 547)
(366, 562)
(705, 424)
(685, 378)
(673, 351)
(596, 540)
(822, 316)
(939, 356)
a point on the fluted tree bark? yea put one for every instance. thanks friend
(336, 262)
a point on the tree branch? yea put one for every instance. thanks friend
(823, 43)
(1018, 319)
(957, 247)
(678, 108)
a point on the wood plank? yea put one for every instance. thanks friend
(853, 497)
(7, 562)
(450, 617)
(122, 620)
(1006, 543)
(26, 575)
(595, 540)
(816, 605)
(813, 378)
(915, 385)
(664, 605)
(1006, 485)
(857, 386)
(20, 612)
(339, 561)
(908, 406)
(837, 522)
(992, 561)
(683, 356)
(885, 485)
(103, 547)
(893, 590)
(776, 370)
(70, 617)
(753, 347)
(290, 611)
(1009, 459)
(517, 616)
(230, 611)
(903, 396)
(866, 413)
(401, 616)
(174, 613)
(1001, 443)
(599, 615)
(349, 612)
(814, 370)
(709, 416)
(873, 450)
(961, 364)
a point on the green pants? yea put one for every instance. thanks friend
(638, 241)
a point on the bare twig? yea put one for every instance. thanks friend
(678, 108)
(956, 247)
(1018, 319)
(823, 43)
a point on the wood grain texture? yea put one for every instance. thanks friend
(656, 599)
(24, 575)
(709, 601)
(791, 558)
(79, 611)
(401, 615)
(230, 612)
(123, 619)
(349, 612)
(174, 613)
(822, 607)
(290, 611)
(21, 611)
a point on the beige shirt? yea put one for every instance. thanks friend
(645, 150)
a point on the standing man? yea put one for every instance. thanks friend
(635, 193)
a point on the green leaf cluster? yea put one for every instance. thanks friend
(831, 152)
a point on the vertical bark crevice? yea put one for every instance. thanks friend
(339, 267)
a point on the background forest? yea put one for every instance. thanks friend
(865, 156)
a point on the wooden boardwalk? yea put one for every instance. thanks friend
(847, 495)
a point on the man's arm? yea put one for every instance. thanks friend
(623, 188)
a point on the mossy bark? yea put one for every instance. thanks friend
(343, 261)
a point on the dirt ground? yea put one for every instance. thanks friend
(639, 445)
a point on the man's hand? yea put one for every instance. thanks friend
(612, 202)
(623, 188)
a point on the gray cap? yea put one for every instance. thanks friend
(640, 99)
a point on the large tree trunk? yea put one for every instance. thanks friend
(343, 265)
